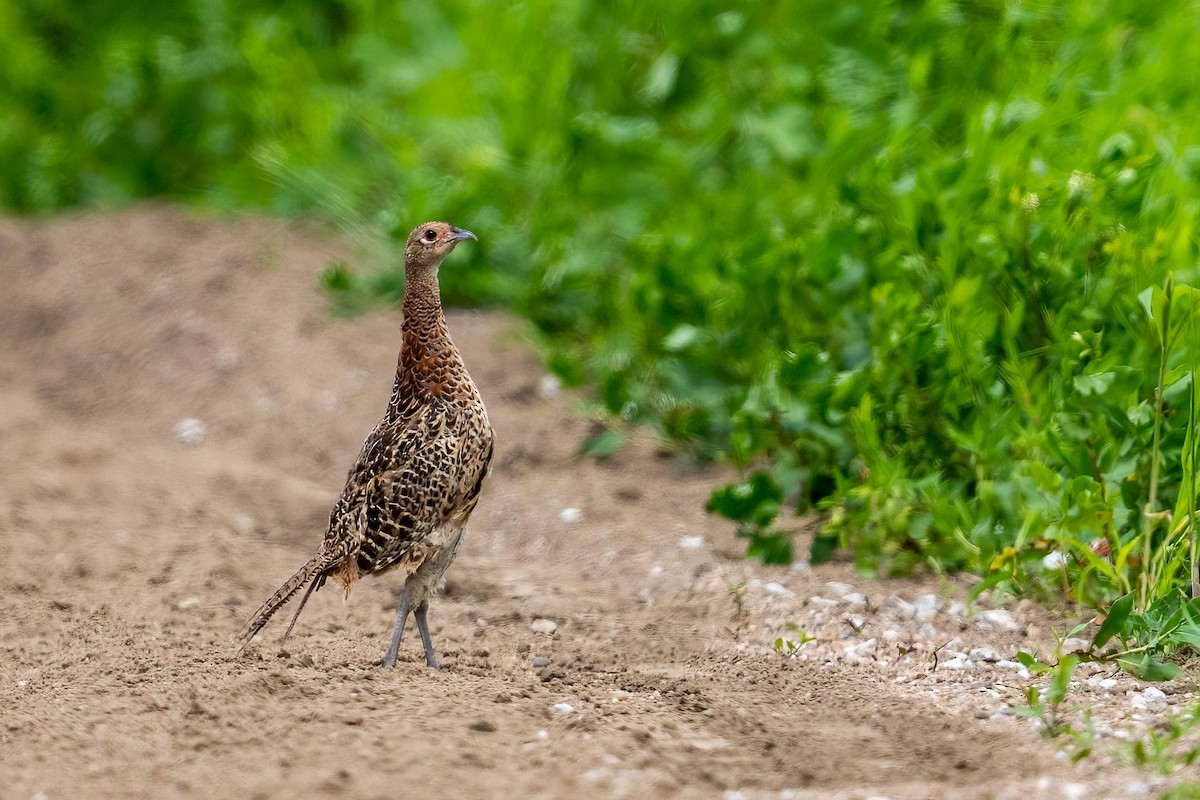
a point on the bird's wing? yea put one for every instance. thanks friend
(411, 478)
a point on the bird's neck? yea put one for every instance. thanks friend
(429, 365)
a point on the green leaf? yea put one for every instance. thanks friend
(1148, 668)
(602, 445)
(1115, 621)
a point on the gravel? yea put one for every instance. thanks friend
(189, 430)
(543, 625)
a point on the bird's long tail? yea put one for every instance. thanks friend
(312, 575)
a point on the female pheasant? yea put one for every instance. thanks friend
(418, 477)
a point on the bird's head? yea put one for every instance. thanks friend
(430, 242)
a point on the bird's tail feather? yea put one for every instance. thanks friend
(311, 574)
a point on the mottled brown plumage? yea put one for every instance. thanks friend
(417, 479)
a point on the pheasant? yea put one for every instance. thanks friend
(418, 477)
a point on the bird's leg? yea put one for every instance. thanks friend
(423, 627)
(389, 659)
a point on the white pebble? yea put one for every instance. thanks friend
(543, 625)
(997, 618)
(1136, 787)
(906, 609)
(927, 631)
(326, 401)
(771, 587)
(985, 654)
(1153, 694)
(562, 708)
(800, 566)
(890, 635)
(958, 662)
(821, 602)
(838, 589)
(926, 607)
(242, 524)
(264, 403)
(549, 386)
(187, 602)
(854, 599)
(570, 515)
(189, 431)
(863, 649)
(691, 542)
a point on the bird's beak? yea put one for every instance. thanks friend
(460, 234)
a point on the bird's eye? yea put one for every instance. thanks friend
(430, 235)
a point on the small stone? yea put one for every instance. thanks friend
(771, 587)
(905, 609)
(985, 654)
(189, 431)
(326, 401)
(187, 602)
(304, 660)
(540, 661)
(543, 625)
(242, 524)
(997, 618)
(1153, 694)
(801, 565)
(570, 515)
(926, 607)
(856, 622)
(1005, 663)
(1136, 787)
(821, 602)
(927, 631)
(838, 589)
(562, 709)
(691, 542)
(1075, 645)
(855, 599)
(263, 402)
(958, 662)
(483, 726)
(890, 635)
(866, 648)
(549, 386)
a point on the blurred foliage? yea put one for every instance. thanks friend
(893, 260)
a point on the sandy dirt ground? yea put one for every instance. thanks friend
(133, 547)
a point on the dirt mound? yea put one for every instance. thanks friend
(177, 412)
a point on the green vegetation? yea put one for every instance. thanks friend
(922, 266)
